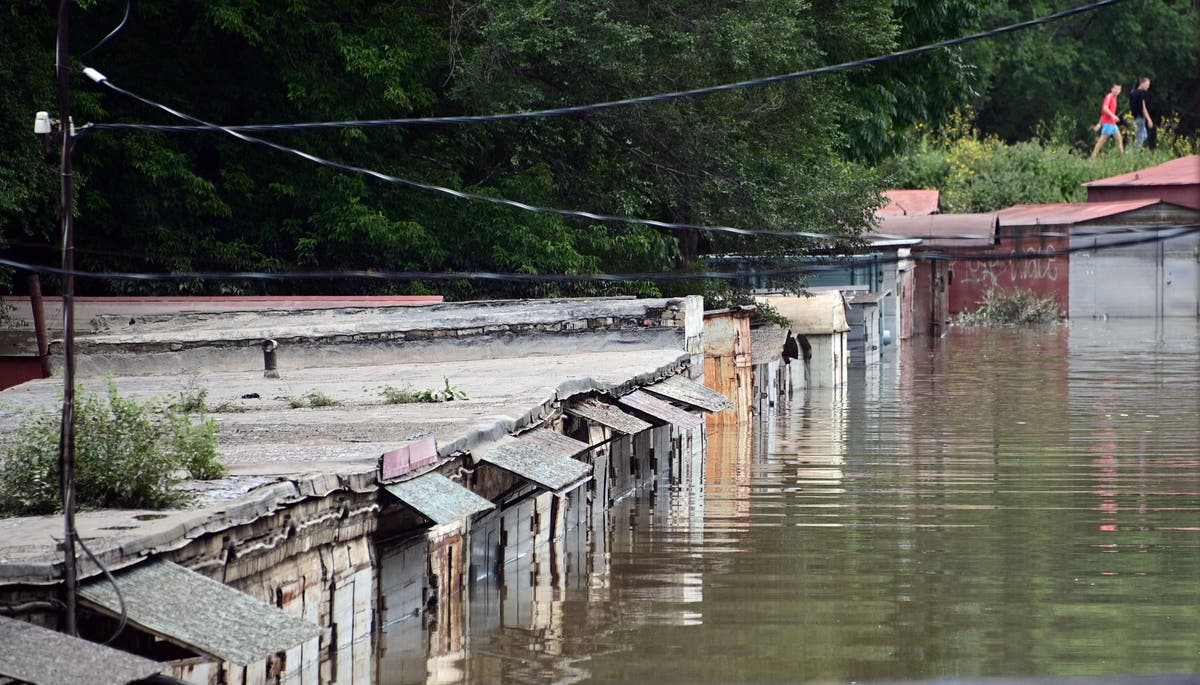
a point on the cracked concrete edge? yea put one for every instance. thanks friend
(271, 498)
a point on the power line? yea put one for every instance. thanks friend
(458, 194)
(647, 99)
(810, 266)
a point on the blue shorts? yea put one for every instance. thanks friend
(1108, 129)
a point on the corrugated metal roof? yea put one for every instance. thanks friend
(606, 414)
(941, 230)
(910, 203)
(170, 601)
(555, 443)
(822, 313)
(42, 656)
(690, 392)
(1177, 172)
(542, 460)
(1066, 213)
(438, 498)
(645, 402)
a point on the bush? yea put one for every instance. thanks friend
(128, 454)
(1016, 307)
(984, 174)
(406, 395)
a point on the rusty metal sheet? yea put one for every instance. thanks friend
(941, 230)
(408, 458)
(1067, 213)
(685, 390)
(606, 414)
(540, 461)
(1182, 171)
(438, 498)
(172, 602)
(645, 402)
(910, 203)
(42, 656)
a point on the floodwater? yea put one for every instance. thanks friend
(999, 502)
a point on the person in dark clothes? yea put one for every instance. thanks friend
(1141, 111)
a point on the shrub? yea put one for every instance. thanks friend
(128, 454)
(1016, 307)
(406, 395)
(314, 400)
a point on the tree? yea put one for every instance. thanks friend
(1059, 72)
(770, 157)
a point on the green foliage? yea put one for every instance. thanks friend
(978, 173)
(1063, 69)
(1019, 306)
(314, 400)
(407, 394)
(191, 399)
(129, 454)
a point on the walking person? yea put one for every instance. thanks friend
(1140, 105)
(1108, 121)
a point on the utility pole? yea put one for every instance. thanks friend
(66, 464)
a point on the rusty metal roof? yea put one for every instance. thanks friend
(1177, 172)
(1066, 213)
(172, 602)
(606, 414)
(42, 656)
(910, 203)
(941, 230)
(690, 392)
(645, 402)
(438, 498)
(542, 457)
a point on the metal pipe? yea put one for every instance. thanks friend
(39, 322)
(269, 363)
(67, 439)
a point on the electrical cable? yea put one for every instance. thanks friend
(458, 194)
(869, 240)
(1161, 234)
(647, 99)
(116, 589)
(111, 34)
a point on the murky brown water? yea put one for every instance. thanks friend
(998, 502)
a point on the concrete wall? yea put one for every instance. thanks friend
(365, 336)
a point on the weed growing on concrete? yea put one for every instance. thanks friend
(128, 453)
(1015, 307)
(394, 395)
(314, 400)
(407, 394)
(191, 398)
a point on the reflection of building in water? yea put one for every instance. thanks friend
(818, 440)
(727, 473)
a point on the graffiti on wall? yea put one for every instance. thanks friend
(994, 273)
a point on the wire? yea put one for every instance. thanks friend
(573, 213)
(1161, 233)
(111, 34)
(116, 589)
(647, 99)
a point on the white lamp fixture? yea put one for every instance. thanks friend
(41, 123)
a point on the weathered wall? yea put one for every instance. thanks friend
(231, 341)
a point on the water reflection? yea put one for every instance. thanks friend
(997, 502)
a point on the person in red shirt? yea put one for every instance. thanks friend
(1108, 121)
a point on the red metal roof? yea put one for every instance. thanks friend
(942, 230)
(909, 203)
(1063, 213)
(1177, 172)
